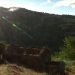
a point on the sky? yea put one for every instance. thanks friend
(48, 6)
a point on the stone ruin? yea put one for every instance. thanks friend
(37, 58)
(32, 57)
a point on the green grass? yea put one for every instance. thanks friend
(69, 65)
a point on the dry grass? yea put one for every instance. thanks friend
(12, 69)
(70, 71)
(70, 68)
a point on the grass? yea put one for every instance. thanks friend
(12, 69)
(69, 65)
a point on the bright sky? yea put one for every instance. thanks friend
(49, 6)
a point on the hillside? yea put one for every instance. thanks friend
(34, 29)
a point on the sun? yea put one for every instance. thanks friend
(13, 8)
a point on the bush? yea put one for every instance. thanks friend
(68, 51)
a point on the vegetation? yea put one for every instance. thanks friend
(37, 29)
(34, 29)
(67, 52)
(13, 69)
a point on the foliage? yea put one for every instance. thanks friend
(68, 51)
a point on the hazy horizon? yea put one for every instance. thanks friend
(66, 7)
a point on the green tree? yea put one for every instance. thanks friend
(68, 50)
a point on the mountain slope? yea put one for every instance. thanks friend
(34, 29)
